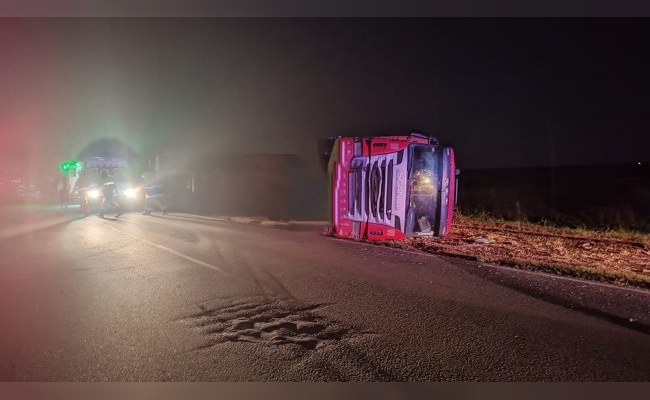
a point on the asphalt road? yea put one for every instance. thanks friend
(189, 298)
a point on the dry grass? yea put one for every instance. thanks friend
(616, 256)
(612, 256)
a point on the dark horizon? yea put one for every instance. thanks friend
(505, 93)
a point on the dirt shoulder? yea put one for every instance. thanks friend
(602, 256)
(594, 255)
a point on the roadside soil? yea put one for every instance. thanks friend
(595, 255)
(614, 257)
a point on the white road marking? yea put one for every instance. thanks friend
(568, 278)
(170, 250)
(540, 273)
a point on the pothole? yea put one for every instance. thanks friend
(269, 322)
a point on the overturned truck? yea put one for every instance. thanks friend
(390, 187)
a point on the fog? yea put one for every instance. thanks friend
(504, 93)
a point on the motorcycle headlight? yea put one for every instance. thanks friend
(94, 194)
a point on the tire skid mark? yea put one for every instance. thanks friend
(185, 235)
(180, 254)
(259, 276)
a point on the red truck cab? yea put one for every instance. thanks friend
(391, 187)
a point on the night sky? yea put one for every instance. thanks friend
(503, 92)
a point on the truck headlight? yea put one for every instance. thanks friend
(131, 192)
(94, 194)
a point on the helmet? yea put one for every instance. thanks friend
(147, 176)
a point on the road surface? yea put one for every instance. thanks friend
(188, 298)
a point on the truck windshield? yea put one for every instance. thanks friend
(424, 189)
